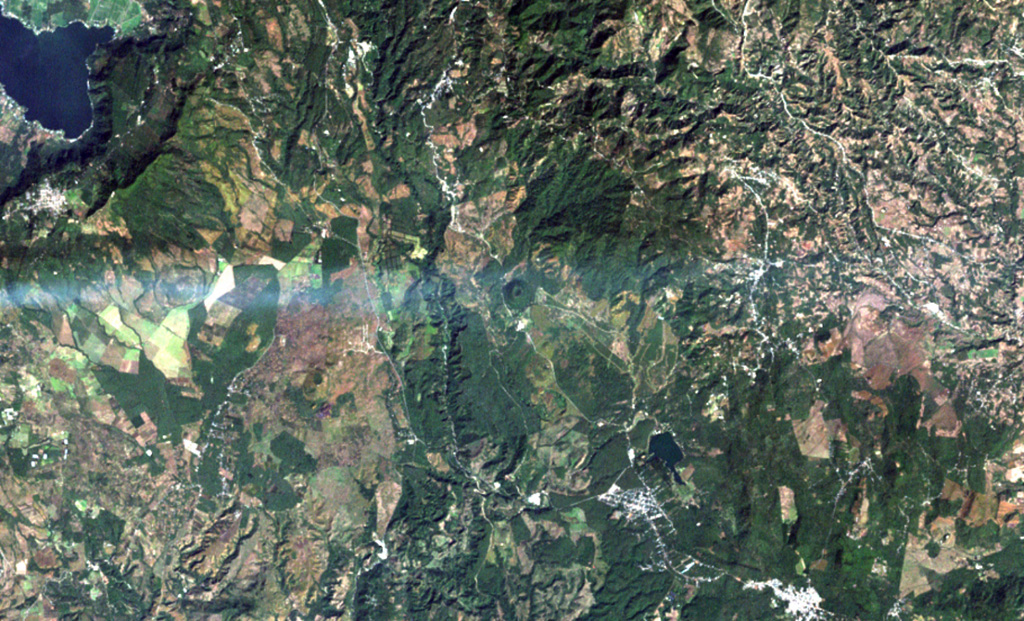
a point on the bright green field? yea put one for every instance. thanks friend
(123, 15)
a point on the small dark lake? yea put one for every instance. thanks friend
(47, 74)
(664, 447)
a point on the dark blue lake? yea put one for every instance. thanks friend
(664, 447)
(47, 74)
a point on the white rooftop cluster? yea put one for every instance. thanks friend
(639, 501)
(802, 604)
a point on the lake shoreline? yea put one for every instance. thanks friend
(48, 74)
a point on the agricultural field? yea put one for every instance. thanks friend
(123, 15)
